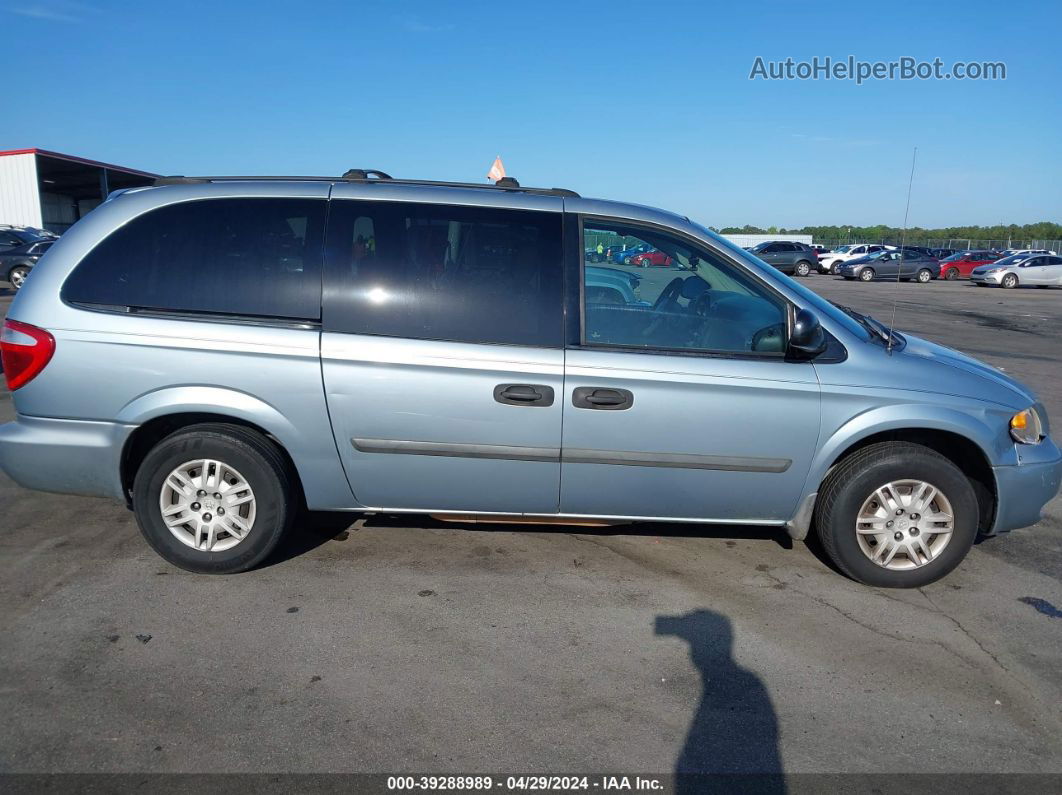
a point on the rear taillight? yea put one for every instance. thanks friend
(25, 351)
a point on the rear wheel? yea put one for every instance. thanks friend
(803, 268)
(17, 276)
(1010, 281)
(951, 274)
(214, 498)
(924, 276)
(897, 515)
(866, 275)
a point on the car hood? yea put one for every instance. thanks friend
(1020, 396)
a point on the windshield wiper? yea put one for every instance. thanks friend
(875, 327)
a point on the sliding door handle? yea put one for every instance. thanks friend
(591, 397)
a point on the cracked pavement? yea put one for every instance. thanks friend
(403, 644)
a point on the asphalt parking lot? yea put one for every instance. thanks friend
(409, 645)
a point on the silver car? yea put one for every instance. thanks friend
(219, 353)
(1020, 270)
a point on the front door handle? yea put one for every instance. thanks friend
(592, 397)
(524, 394)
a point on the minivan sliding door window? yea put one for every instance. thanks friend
(441, 272)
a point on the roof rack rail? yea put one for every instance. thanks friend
(368, 175)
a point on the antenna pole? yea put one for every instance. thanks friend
(903, 250)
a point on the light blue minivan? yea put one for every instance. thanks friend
(223, 352)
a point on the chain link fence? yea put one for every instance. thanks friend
(956, 243)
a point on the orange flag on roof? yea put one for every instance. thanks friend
(497, 171)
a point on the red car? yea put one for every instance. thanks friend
(651, 258)
(959, 265)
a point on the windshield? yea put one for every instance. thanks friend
(810, 299)
(759, 247)
(1012, 260)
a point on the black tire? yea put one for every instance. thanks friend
(866, 275)
(803, 268)
(856, 478)
(951, 274)
(260, 463)
(17, 276)
(924, 276)
(1010, 281)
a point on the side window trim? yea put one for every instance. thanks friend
(789, 308)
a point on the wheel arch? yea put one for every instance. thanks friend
(952, 438)
(158, 414)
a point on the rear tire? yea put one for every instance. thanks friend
(1010, 281)
(951, 274)
(869, 471)
(803, 268)
(245, 452)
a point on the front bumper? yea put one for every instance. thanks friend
(1024, 489)
(65, 456)
(986, 278)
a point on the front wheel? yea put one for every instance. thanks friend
(866, 275)
(803, 268)
(897, 515)
(951, 274)
(18, 275)
(214, 498)
(924, 276)
(1010, 281)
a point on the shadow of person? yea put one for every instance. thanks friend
(732, 742)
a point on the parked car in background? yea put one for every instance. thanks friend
(844, 253)
(17, 262)
(1039, 270)
(961, 264)
(904, 265)
(796, 259)
(16, 236)
(941, 253)
(621, 255)
(1010, 252)
(647, 258)
(612, 286)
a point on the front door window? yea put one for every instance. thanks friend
(675, 296)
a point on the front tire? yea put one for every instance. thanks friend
(1010, 281)
(896, 515)
(18, 276)
(866, 275)
(214, 498)
(803, 268)
(951, 274)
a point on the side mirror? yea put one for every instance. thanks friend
(808, 339)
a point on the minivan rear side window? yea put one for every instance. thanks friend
(442, 272)
(257, 257)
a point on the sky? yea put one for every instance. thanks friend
(639, 101)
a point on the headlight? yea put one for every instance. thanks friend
(993, 270)
(1026, 428)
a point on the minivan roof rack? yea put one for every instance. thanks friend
(369, 175)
